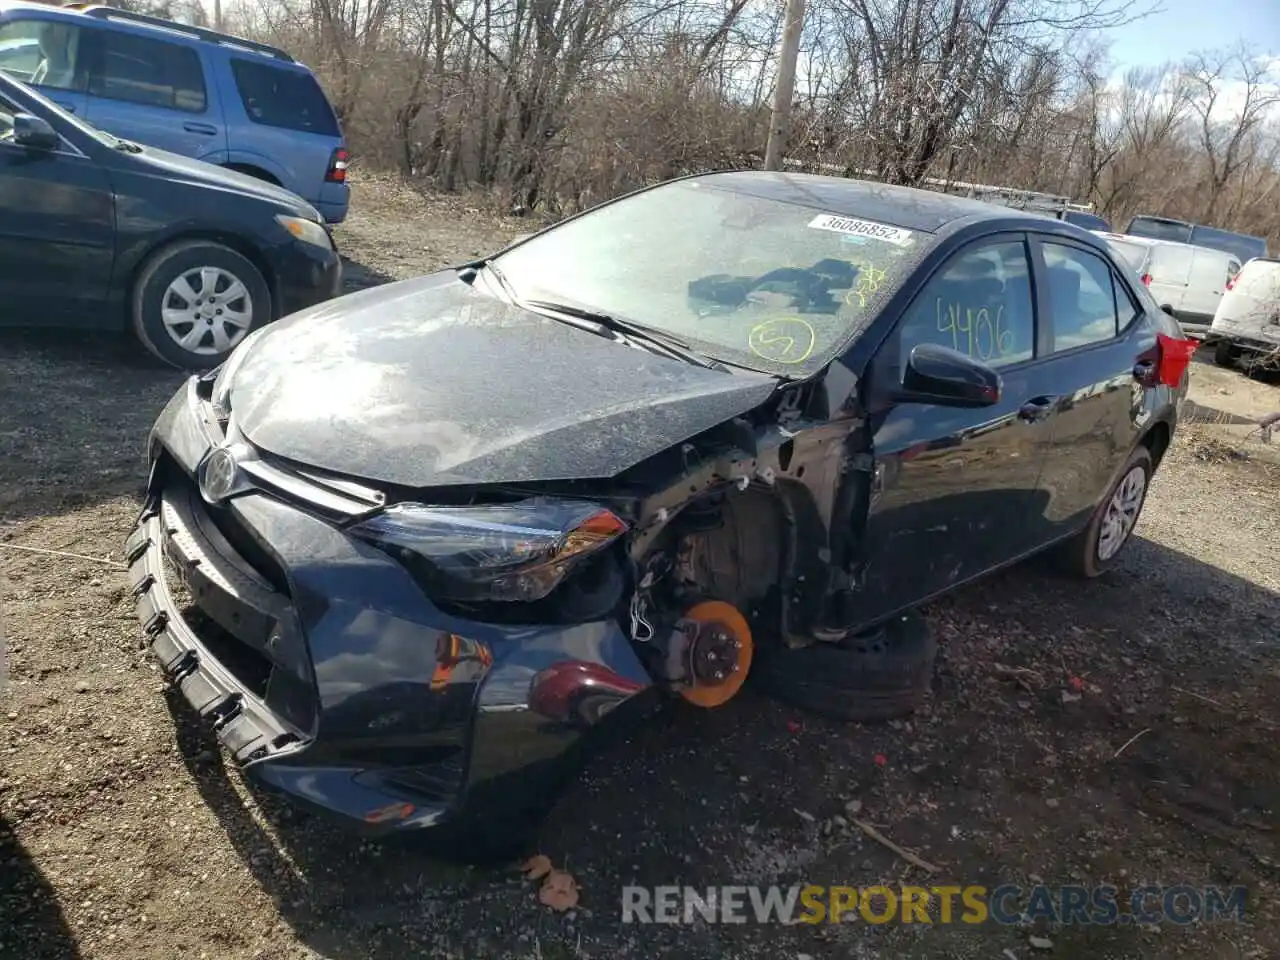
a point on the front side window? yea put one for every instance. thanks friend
(980, 304)
(1082, 296)
(152, 72)
(45, 53)
(756, 281)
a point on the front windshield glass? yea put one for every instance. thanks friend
(756, 282)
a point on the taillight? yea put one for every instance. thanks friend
(338, 162)
(1232, 282)
(1146, 279)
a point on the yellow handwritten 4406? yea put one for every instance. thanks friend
(975, 332)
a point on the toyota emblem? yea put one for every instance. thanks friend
(218, 480)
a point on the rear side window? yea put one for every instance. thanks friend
(283, 98)
(153, 72)
(1082, 294)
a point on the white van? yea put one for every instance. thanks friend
(1248, 318)
(1190, 280)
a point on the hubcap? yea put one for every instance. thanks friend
(1122, 513)
(206, 310)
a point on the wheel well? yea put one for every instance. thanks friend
(239, 245)
(1156, 440)
(256, 172)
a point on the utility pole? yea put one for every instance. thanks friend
(780, 122)
(217, 15)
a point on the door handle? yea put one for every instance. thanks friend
(1037, 408)
(192, 127)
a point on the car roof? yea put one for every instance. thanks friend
(908, 207)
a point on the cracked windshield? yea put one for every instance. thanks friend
(754, 281)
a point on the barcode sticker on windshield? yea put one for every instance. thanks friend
(862, 228)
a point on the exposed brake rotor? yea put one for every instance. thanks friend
(713, 651)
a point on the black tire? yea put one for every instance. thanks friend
(1079, 555)
(1224, 354)
(879, 675)
(188, 257)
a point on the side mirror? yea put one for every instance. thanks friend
(1167, 308)
(33, 132)
(949, 378)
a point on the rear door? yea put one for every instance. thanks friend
(1096, 337)
(48, 55)
(154, 91)
(954, 488)
(1251, 308)
(1170, 266)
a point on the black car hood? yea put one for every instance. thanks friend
(174, 166)
(428, 382)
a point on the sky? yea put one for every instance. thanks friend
(1182, 27)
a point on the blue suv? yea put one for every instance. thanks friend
(231, 102)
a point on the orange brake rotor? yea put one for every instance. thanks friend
(725, 615)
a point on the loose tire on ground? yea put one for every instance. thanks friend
(194, 259)
(1079, 556)
(882, 674)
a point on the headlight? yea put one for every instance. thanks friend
(308, 231)
(504, 551)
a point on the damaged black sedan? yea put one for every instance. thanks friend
(406, 548)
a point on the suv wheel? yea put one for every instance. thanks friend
(195, 301)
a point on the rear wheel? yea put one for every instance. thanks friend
(195, 301)
(878, 675)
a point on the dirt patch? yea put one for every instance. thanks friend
(123, 835)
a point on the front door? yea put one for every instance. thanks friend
(954, 488)
(57, 232)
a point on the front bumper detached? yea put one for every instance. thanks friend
(327, 673)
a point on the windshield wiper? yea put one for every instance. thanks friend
(666, 342)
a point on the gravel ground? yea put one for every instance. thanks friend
(124, 835)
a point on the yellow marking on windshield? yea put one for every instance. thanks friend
(869, 280)
(783, 340)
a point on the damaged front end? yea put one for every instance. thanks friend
(414, 658)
